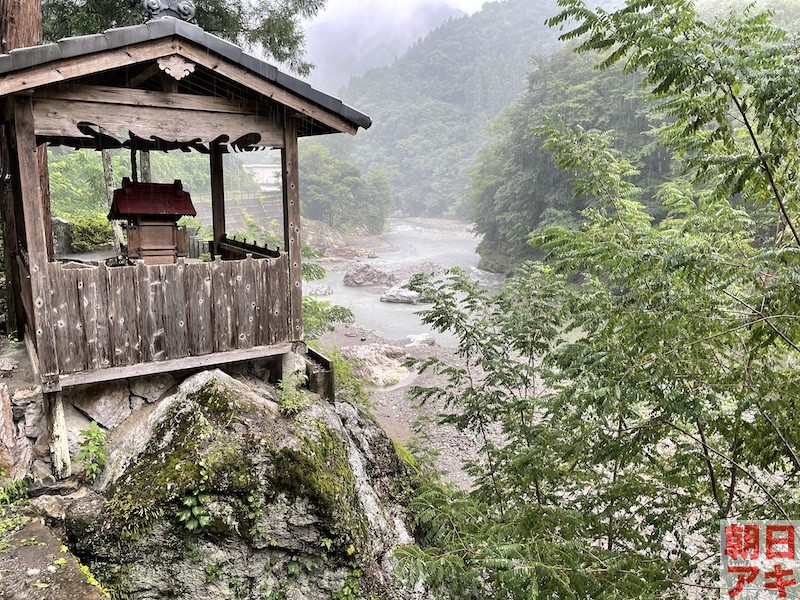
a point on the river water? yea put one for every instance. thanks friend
(406, 244)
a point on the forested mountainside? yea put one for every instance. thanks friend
(349, 43)
(515, 188)
(431, 106)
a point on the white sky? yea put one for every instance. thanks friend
(345, 6)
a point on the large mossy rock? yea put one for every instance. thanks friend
(216, 494)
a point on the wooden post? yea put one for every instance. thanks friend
(291, 224)
(36, 213)
(15, 320)
(20, 26)
(217, 196)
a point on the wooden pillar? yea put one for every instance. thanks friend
(20, 26)
(36, 214)
(15, 320)
(291, 224)
(217, 197)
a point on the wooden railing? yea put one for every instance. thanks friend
(119, 316)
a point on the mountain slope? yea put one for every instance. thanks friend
(430, 107)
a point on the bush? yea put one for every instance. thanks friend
(90, 232)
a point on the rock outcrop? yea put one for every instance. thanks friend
(214, 492)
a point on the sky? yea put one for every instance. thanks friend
(333, 7)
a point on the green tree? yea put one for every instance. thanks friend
(275, 26)
(641, 384)
(334, 191)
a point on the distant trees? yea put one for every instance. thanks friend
(334, 191)
(514, 185)
(430, 107)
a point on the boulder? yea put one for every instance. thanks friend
(422, 339)
(217, 494)
(153, 388)
(400, 295)
(36, 566)
(108, 404)
(363, 275)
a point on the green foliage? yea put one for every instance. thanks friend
(335, 192)
(351, 589)
(319, 316)
(654, 393)
(274, 26)
(515, 187)
(13, 491)
(193, 514)
(348, 386)
(91, 232)
(291, 397)
(93, 452)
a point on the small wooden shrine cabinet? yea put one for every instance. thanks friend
(165, 85)
(151, 212)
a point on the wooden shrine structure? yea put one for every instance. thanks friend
(164, 85)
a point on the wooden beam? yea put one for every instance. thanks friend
(16, 312)
(59, 117)
(177, 364)
(27, 169)
(78, 66)
(266, 88)
(102, 94)
(67, 69)
(291, 224)
(217, 197)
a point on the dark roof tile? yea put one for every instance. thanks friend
(259, 67)
(160, 28)
(83, 44)
(124, 36)
(190, 32)
(6, 63)
(27, 57)
(223, 47)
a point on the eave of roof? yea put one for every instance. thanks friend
(168, 27)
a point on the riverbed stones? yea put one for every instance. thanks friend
(364, 275)
(380, 364)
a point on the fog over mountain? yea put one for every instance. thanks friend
(349, 38)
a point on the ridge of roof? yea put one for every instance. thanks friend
(165, 27)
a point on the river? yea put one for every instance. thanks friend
(406, 244)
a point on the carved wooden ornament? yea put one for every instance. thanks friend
(176, 66)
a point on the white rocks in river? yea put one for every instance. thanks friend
(319, 290)
(400, 295)
(423, 339)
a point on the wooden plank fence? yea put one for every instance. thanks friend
(120, 316)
